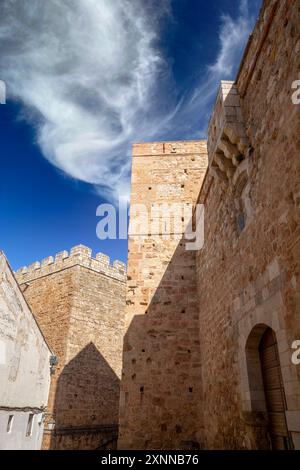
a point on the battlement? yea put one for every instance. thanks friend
(181, 147)
(79, 255)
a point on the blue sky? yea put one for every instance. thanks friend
(85, 79)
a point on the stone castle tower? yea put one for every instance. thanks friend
(161, 348)
(78, 302)
(209, 334)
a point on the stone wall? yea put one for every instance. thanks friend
(249, 270)
(24, 368)
(79, 303)
(193, 320)
(161, 383)
(180, 389)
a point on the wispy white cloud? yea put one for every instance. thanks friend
(197, 106)
(88, 70)
(93, 79)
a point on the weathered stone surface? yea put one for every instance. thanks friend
(194, 320)
(24, 368)
(245, 277)
(79, 303)
(161, 363)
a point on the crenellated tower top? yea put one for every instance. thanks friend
(79, 255)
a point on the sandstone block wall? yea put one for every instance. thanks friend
(249, 270)
(161, 381)
(247, 274)
(79, 303)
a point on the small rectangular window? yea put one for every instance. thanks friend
(29, 425)
(9, 423)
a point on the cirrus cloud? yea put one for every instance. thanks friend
(93, 79)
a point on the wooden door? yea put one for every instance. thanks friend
(274, 391)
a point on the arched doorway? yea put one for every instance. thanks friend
(274, 391)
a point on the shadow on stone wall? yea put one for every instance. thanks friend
(161, 388)
(86, 403)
